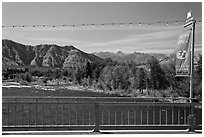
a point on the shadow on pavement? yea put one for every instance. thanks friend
(101, 132)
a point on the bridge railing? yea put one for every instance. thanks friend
(68, 113)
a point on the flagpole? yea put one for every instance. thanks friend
(192, 118)
(191, 21)
(192, 60)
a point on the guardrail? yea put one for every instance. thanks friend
(80, 113)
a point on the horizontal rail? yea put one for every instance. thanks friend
(93, 99)
(98, 98)
(112, 103)
(63, 128)
(47, 128)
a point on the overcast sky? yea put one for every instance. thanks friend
(154, 39)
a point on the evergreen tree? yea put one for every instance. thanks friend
(88, 70)
(169, 70)
(142, 79)
(157, 75)
(198, 79)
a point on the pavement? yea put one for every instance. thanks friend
(102, 132)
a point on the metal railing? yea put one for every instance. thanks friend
(68, 113)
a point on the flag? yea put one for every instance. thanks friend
(183, 54)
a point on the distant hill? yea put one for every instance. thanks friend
(45, 55)
(136, 57)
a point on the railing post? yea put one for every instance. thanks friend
(191, 119)
(96, 129)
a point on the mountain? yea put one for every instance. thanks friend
(50, 55)
(44, 55)
(136, 57)
(17, 53)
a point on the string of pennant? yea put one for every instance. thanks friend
(102, 24)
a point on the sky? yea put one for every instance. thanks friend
(158, 38)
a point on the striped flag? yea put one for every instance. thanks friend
(183, 54)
